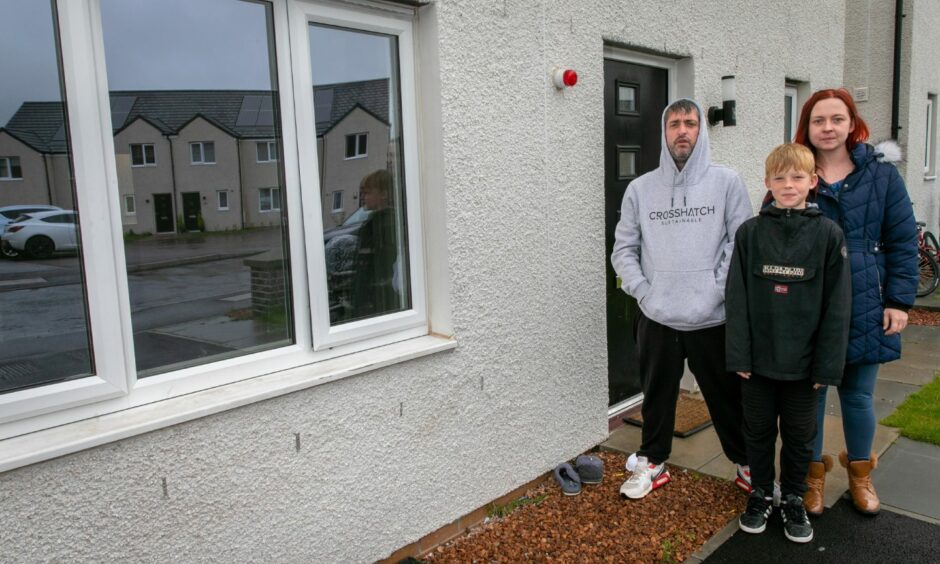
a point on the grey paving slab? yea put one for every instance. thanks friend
(929, 302)
(921, 334)
(906, 374)
(625, 439)
(921, 352)
(908, 477)
(920, 359)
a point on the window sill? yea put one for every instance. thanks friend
(930, 177)
(73, 437)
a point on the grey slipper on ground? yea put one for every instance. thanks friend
(590, 469)
(568, 479)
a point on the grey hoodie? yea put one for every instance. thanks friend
(675, 237)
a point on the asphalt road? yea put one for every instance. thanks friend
(173, 284)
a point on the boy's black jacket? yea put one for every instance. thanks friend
(788, 297)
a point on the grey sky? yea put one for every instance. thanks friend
(173, 44)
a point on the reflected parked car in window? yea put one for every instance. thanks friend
(42, 234)
(341, 245)
(9, 213)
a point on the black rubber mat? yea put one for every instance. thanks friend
(840, 535)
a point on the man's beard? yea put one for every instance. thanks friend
(680, 156)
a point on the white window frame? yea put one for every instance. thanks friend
(930, 136)
(202, 152)
(791, 91)
(271, 192)
(130, 204)
(362, 135)
(270, 148)
(337, 206)
(413, 321)
(9, 168)
(220, 195)
(143, 154)
(42, 422)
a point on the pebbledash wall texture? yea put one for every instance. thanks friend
(391, 455)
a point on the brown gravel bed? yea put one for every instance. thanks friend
(918, 316)
(669, 525)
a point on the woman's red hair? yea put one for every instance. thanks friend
(855, 137)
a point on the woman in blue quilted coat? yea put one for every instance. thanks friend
(861, 190)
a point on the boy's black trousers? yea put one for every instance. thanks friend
(794, 403)
(661, 352)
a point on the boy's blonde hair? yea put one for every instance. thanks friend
(787, 156)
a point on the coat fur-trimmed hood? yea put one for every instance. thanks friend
(889, 151)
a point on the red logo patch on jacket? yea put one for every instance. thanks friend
(781, 289)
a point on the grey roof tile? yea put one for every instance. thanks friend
(242, 113)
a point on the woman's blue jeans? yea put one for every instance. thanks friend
(858, 411)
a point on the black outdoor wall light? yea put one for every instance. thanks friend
(726, 113)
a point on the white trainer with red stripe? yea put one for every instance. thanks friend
(646, 478)
(743, 479)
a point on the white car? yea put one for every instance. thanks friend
(40, 234)
(9, 213)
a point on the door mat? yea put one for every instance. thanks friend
(691, 416)
(840, 535)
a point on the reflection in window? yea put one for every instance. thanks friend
(789, 113)
(10, 168)
(626, 164)
(626, 99)
(204, 97)
(142, 154)
(203, 152)
(130, 205)
(269, 199)
(357, 100)
(267, 151)
(356, 145)
(44, 334)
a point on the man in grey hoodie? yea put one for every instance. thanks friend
(672, 252)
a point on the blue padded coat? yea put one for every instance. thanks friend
(875, 212)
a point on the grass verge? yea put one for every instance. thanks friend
(918, 418)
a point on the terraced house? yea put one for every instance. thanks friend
(375, 293)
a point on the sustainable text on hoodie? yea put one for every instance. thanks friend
(676, 234)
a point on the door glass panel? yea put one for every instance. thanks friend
(215, 283)
(626, 99)
(357, 98)
(44, 333)
(626, 164)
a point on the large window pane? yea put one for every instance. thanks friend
(358, 114)
(196, 79)
(44, 335)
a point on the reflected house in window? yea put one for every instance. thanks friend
(174, 193)
(350, 109)
(34, 140)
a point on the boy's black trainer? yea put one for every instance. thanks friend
(759, 508)
(796, 524)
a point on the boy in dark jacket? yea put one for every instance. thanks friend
(789, 305)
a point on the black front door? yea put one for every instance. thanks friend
(192, 210)
(163, 212)
(634, 99)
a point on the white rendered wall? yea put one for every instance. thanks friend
(389, 456)
(922, 27)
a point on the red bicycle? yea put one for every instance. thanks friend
(928, 254)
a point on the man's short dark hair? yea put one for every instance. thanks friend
(682, 106)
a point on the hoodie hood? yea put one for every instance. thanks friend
(698, 161)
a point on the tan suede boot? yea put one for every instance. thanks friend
(863, 492)
(814, 498)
